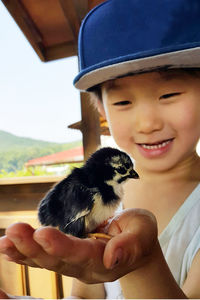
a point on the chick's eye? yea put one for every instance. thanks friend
(121, 170)
(127, 166)
(122, 103)
(166, 96)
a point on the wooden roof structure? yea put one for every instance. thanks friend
(104, 129)
(51, 27)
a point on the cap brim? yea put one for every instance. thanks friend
(189, 58)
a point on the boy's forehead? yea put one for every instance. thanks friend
(112, 84)
(162, 75)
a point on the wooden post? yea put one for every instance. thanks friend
(90, 126)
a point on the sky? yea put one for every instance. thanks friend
(37, 99)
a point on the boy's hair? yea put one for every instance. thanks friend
(120, 37)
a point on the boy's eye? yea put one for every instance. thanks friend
(125, 102)
(166, 96)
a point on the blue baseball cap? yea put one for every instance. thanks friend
(120, 37)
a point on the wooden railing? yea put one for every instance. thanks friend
(19, 198)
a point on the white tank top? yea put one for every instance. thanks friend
(179, 241)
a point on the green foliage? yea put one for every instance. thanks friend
(16, 151)
(38, 171)
(75, 165)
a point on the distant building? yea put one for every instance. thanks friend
(58, 162)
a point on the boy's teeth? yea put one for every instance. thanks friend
(163, 144)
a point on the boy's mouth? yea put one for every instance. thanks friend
(156, 145)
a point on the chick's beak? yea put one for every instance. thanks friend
(133, 174)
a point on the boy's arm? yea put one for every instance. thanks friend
(87, 291)
(191, 286)
(152, 280)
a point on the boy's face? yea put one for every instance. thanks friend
(155, 117)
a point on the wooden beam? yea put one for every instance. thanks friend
(90, 126)
(25, 280)
(29, 180)
(81, 8)
(71, 16)
(22, 18)
(93, 3)
(60, 51)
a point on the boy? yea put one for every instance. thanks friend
(138, 58)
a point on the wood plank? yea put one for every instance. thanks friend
(29, 179)
(72, 17)
(93, 3)
(25, 280)
(11, 279)
(20, 194)
(67, 286)
(81, 7)
(26, 24)
(25, 189)
(60, 294)
(10, 217)
(16, 198)
(48, 17)
(9, 204)
(60, 51)
(33, 189)
(42, 283)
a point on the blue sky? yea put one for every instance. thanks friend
(37, 99)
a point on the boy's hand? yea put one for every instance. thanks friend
(3, 295)
(91, 261)
(134, 234)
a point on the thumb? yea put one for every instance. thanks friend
(134, 234)
(124, 248)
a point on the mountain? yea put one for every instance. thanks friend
(9, 140)
(15, 150)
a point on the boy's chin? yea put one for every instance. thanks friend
(156, 166)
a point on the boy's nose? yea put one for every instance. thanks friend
(148, 119)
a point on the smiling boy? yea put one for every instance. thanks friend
(140, 59)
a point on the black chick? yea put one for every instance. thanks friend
(78, 204)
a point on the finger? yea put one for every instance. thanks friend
(9, 249)
(18, 261)
(5, 243)
(114, 228)
(77, 257)
(21, 235)
(121, 249)
(65, 246)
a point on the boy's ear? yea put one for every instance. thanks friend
(101, 109)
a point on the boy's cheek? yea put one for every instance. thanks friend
(188, 118)
(118, 130)
(122, 139)
(121, 132)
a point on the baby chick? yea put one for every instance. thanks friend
(89, 196)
